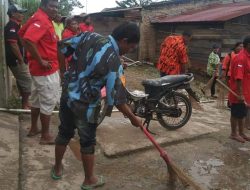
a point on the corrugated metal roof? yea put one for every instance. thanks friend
(116, 9)
(129, 13)
(213, 13)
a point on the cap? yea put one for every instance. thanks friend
(216, 46)
(15, 8)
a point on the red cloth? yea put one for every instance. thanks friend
(39, 30)
(240, 70)
(85, 27)
(68, 33)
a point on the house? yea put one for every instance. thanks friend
(105, 21)
(223, 24)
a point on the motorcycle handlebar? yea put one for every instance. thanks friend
(190, 77)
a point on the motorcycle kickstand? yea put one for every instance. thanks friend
(147, 127)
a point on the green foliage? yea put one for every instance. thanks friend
(31, 5)
(67, 6)
(132, 3)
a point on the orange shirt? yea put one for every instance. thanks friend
(227, 62)
(173, 55)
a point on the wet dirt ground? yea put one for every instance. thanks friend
(214, 161)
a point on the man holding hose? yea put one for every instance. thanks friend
(239, 83)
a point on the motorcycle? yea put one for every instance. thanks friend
(160, 101)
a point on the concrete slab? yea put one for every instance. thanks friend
(9, 151)
(117, 137)
(37, 161)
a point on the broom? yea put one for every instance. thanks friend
(207, 86)
(227, 88)
(74, 146)
(173, 170)
(221, 96)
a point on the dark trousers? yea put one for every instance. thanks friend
(213, 87)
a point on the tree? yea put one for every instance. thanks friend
(132, 3)
(30, 5)
(67, 6)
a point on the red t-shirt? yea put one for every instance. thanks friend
(39, 30)
(240, 70)
(85, 27)
(68, 33)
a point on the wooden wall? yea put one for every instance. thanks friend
(204, 36)
(104, 25)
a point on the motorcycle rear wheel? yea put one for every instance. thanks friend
(179, 102)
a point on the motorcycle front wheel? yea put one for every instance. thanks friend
(174, 111)
(102, 112)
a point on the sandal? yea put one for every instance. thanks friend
(238, 138)
(245, 137)
(100, 182)
(53, 175)
(47, 142)
(33, 134)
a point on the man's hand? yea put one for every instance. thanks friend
(125, 109)
(241, 98)
(46, 64)
(20, 62)
(136, 121)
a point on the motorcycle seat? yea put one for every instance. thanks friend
(167, 80)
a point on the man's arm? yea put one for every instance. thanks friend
(125, 109)
(239, 90)
(62, 63)
(15, 49)
(32, 48)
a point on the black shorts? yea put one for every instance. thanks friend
(70, 122)
(239, 110)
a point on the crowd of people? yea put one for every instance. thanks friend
(83, 62)
(53, 56)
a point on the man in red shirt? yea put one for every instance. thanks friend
(41, 40)
(239, 83)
